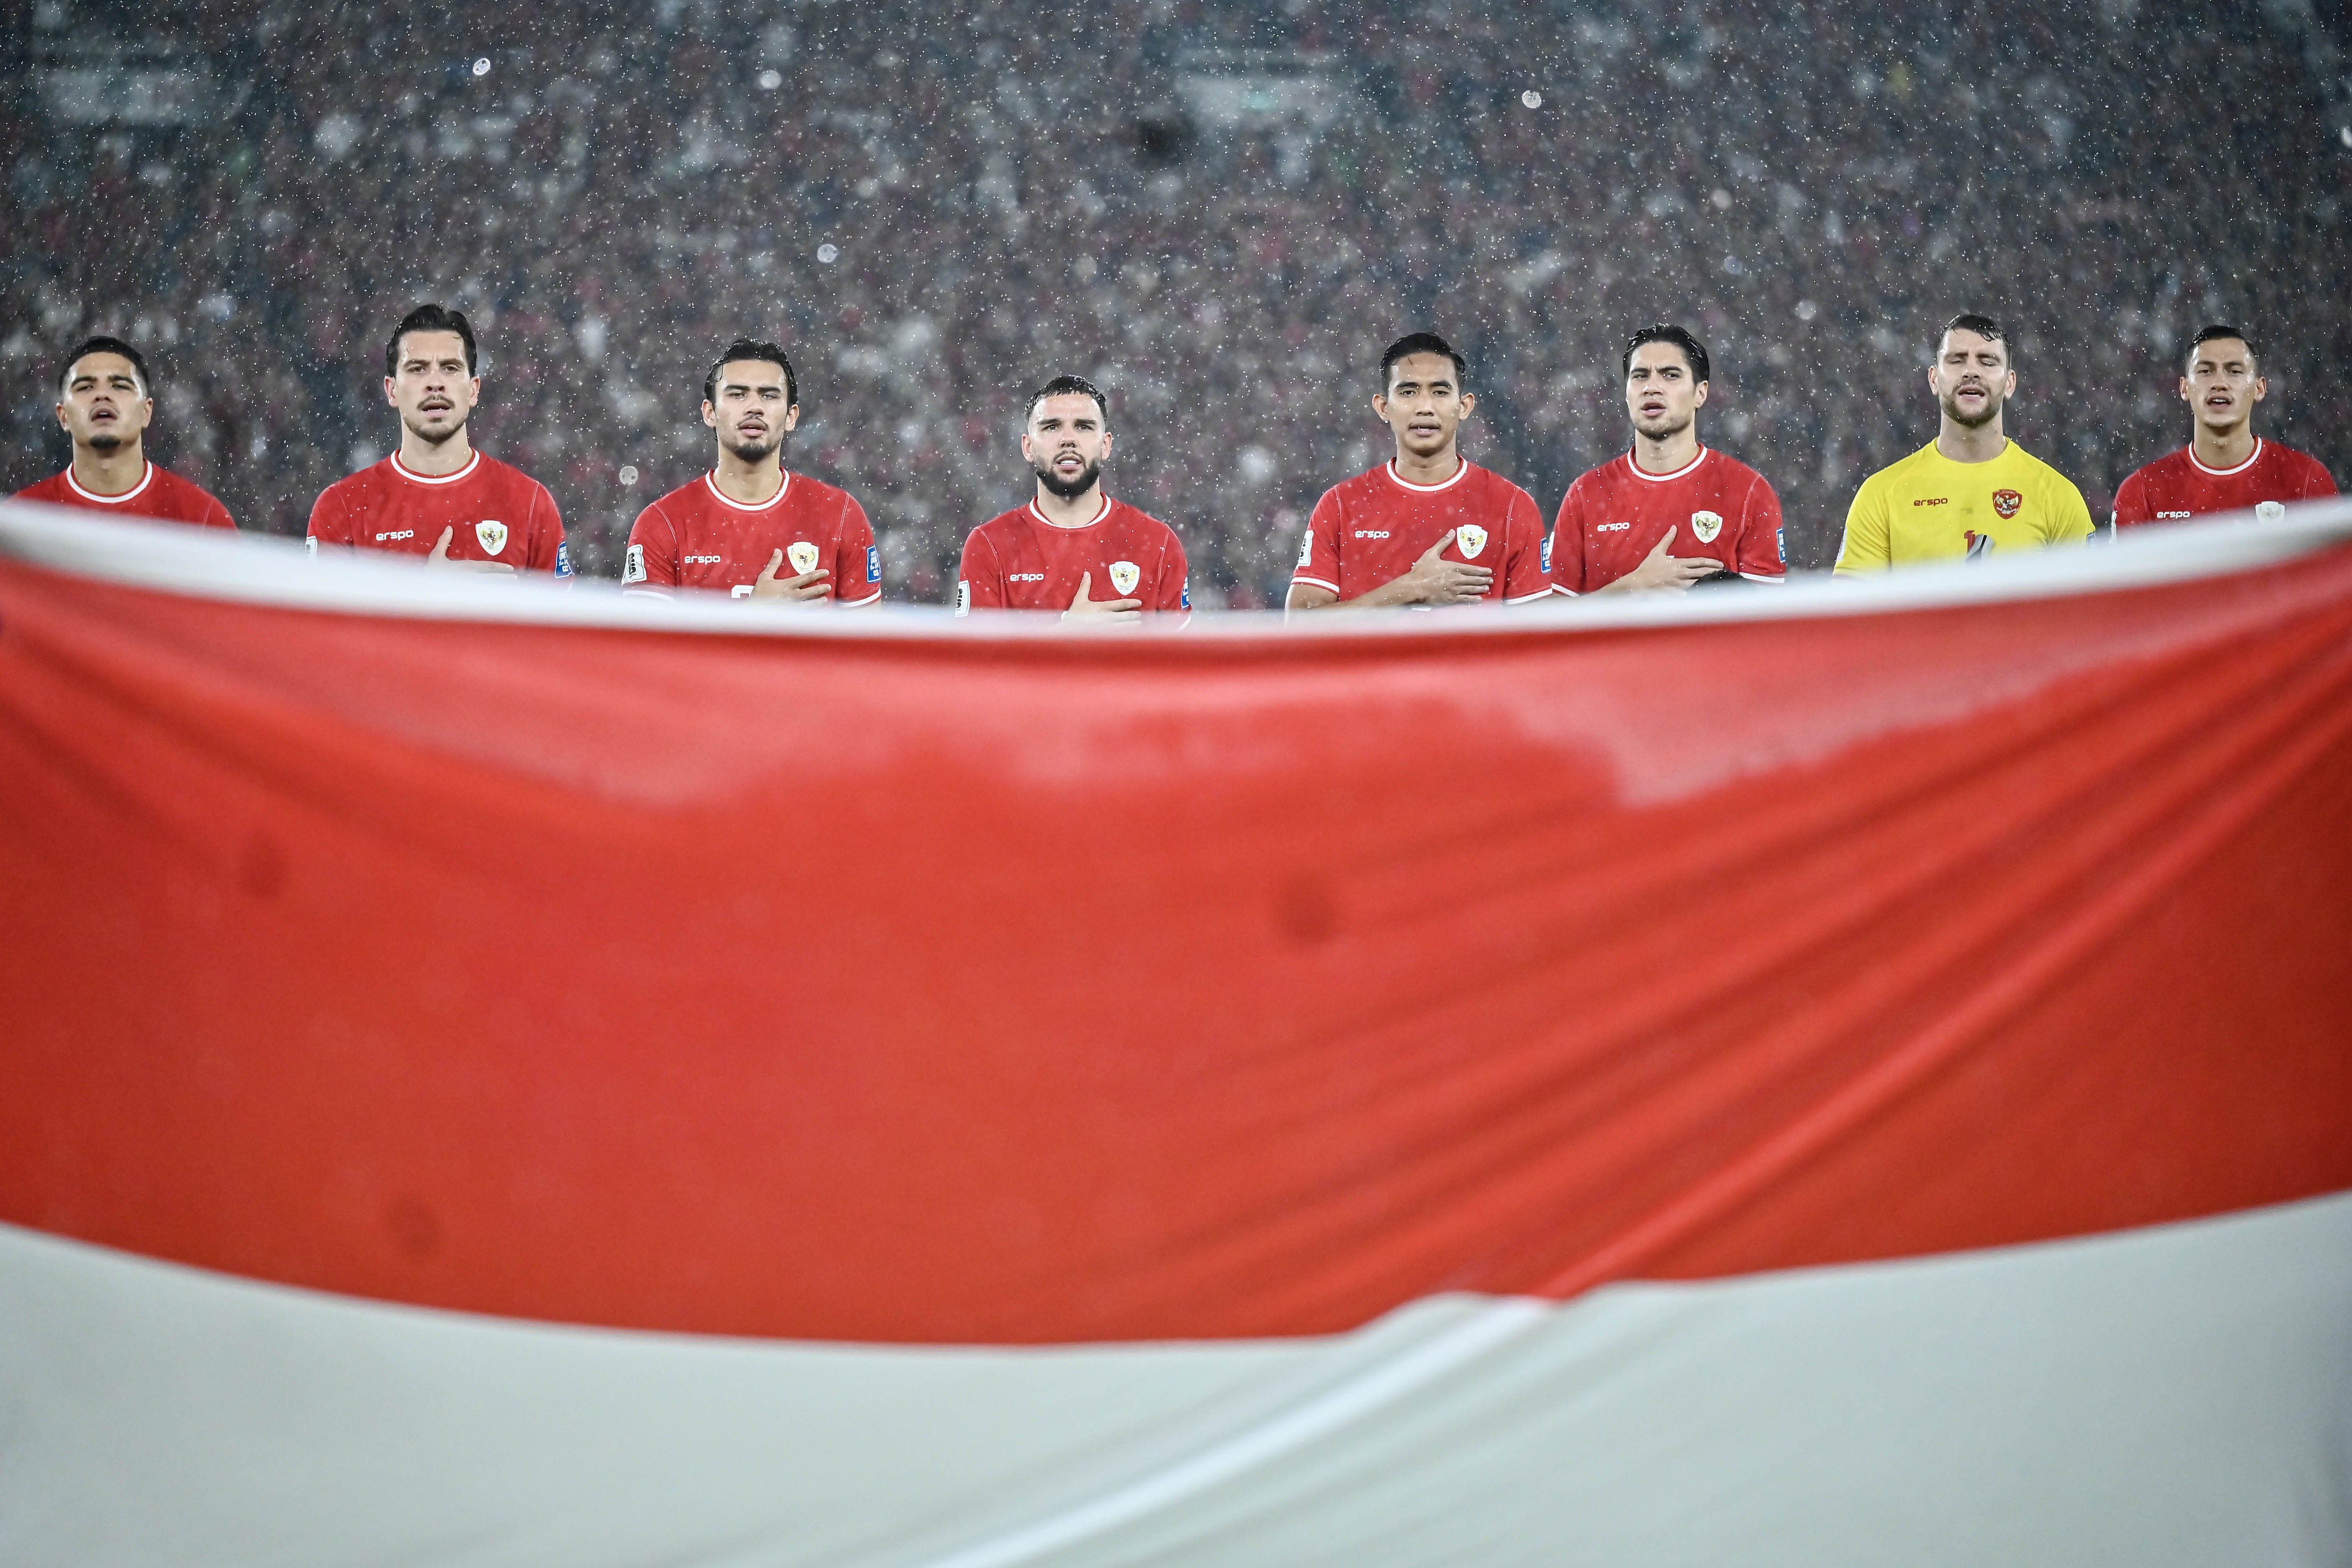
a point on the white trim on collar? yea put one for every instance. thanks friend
(414, 477)
(1640, 473)
(1462, 467)
(1050, 523)
(710, 483)
(2190, 449)
(145, 480)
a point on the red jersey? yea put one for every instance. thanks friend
(696, 537)
(2180, 486)
(162, 495)
(1369, 530)
(495, 512)
(1021, 561)
(1614, 515)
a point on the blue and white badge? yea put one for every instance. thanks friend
(563, 558)
(1544, 560)
(873, 563)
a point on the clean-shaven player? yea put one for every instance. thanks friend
(2225, 468)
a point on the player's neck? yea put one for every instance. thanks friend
(1666, 453)
(111, 473)
(1075, 513)
(1963, 443)
(2224, 448)
(1435, 469)
(749, 484)
(435, 460)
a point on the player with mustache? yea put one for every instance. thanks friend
(1072, 549)
(104, 406)
(436, 496)
(750, 526)
(1971, 491)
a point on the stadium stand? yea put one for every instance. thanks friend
(1218, 214)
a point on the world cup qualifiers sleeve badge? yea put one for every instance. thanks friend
(2006, 502)
(803, 557)
(1124, 576)
(492, 535)
(1706, 525)
(2269, 511)
(1472, 538)
(633, 565)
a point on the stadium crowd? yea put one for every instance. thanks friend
(936, 208)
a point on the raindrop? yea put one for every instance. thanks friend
(1807, 309)
(482, 66)
(826, 254)
(2344, 134)
(629, 475)
(770, 81)
(1532, 98)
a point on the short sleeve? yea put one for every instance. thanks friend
(1567, 544)
(650, 563)
(329, 525)
(979, 579)
(856, 558)
(1525, 576)
(547, 552)
(1171, 592)
(1865, 547)
(1760, 556)
(2131, 502)
(1318, 548)
(2316, 481)
(2070, 515)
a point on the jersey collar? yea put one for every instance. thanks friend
(1049, 522)
(2191, 449)
(1461, 468)
(414, 477)
(145, 479)
(1642, 472)
(710, 483)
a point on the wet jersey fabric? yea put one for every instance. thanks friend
(1369, 530)
(2179, 486)
(1021, 561)
(1714, 506)
(695, 536)
(1929, 507)
(160, 495)
(494, 511)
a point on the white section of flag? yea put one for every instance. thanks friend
(2168, 1397)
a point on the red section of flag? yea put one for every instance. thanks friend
(1022, 992)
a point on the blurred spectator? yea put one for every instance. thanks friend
(937, 206)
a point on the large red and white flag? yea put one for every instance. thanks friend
(495, 1076)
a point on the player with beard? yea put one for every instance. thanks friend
(1072, 549)
(2225, 468)
(750, 527)
(1971, 490)
(1670, 512)
(436, 496)
(103, 404)
(1427, 527)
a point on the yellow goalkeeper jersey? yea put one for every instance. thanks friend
(1928, 507)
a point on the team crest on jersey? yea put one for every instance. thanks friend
(633, 565)
(2006, 502)
(1706, 525)
(493, 535)
(1124, 576)
(803, 557)
(2269, 511)
(1472, 538)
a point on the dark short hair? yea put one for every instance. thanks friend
(103, 345)
(430, 318)
(2206, 334)
(1413, 343)
(1064, 385)
(1693, 352)
(751, 348)
(1984, 327)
